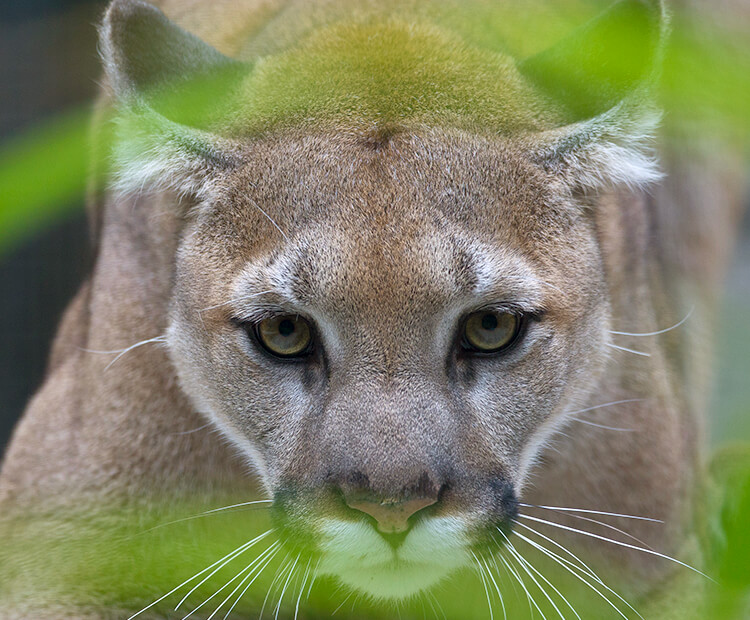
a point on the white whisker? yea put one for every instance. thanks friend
(497, 589)
(348, 596)
(122, 352)
(567, 566)
(592, 512)
(234, 300)
(257, 574)
(283, 589)
(524, 564)
(194, 430)
(585, 568)
(241, 550)
(617, 542)
(257, 501)
(618, 347)
(312, 581)
(302, 589)
(608, 526)
(529, 597)
(562, 561)
(549, 583)
(270, 219)
(204, 514)
(249, 567)
(279, 575)
(484, 583)
(609, 428)
(187, 581)
(610, 404)
(661, 331)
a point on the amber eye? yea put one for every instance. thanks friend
(489, 331)
(285, 336)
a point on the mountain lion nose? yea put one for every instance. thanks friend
(392, 515)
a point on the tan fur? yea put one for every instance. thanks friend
(372, 225)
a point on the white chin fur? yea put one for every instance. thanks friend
(359, 557)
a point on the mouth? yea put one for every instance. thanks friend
(361, 558)
(359, 550)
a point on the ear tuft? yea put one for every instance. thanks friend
(602, 78)
(614, 148)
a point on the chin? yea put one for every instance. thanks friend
(356, 555)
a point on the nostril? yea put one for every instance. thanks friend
(391, 515)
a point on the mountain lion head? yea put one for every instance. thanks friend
(389, 290)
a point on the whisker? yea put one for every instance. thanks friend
(312, 581)
(279, 575)
(512, 574)
(342, 603)
(618, 347)
(249, 567)
(524, 564)
(251, 503)
(280, 572)
(204, 514)
(122, 352)
(194, 430)
(484, 583)
(436, 602)
(283, 589)
(497, 589)
(222, 565)
(566, 564)
(617, 542)
(529, 597)
(234, 553)
(611, 527)
(609, 428)
(270, 219)
(592, 512)
(257, 574)
(610, 404)
(661, 331)
(585, 568)
(235, 300)
(548, 582)
(302, 589)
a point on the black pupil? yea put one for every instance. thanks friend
(286, 327)
(489, 322)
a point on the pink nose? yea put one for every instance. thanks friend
(392, 515)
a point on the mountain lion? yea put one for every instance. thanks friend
(433, 298)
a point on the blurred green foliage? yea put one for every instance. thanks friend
(129, 558)
(705, 89)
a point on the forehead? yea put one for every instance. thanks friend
(384, 185)
(407, 216)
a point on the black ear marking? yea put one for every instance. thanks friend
(603, 61)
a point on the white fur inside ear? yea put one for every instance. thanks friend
(151, 152)
(615, 148)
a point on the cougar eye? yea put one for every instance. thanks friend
(490, 331)
(285, 336)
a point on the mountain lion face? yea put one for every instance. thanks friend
(391, 360)
(388, 298)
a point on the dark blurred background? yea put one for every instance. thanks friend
(49, 63)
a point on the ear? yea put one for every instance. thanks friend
(168, 87)
(603, 77)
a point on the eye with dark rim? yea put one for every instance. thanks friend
(491, 331)
(287, 336)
